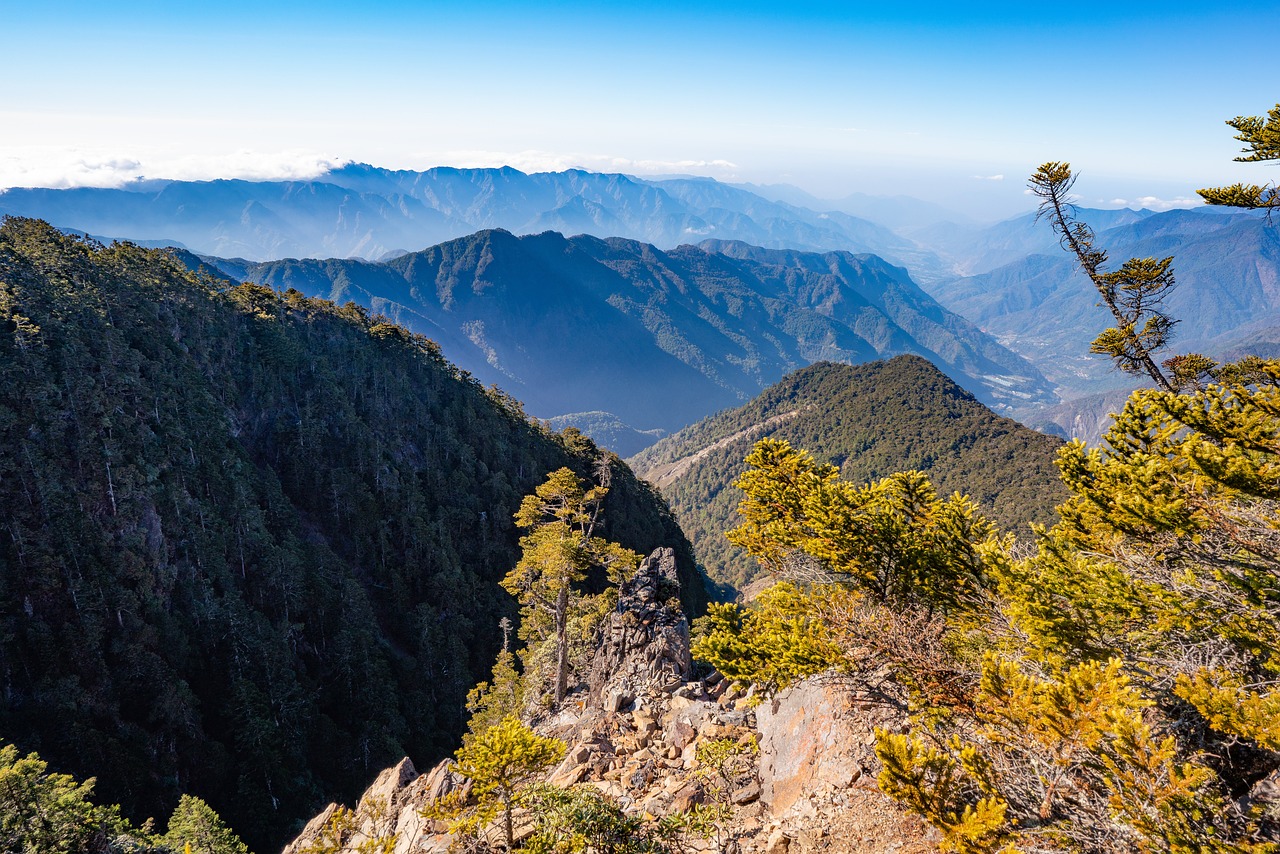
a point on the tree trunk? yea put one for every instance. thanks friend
(511, 836)
(562, 643)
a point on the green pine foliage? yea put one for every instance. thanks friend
(251, 539)
(45, 812)
(1261, 138)
(194, 828)
(774, 642)
(894, 539)
(500, 762)
(1112, 690)
(42, 812)
(870, 421)
(583, 820)
(501, 696)
(559, 550)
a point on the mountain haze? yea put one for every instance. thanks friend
(369, 212)
(971, 249)
(1227, 296)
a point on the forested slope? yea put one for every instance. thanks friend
(251, 541)
(871, 420)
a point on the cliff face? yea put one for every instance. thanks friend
(639, 731)
(644, 645)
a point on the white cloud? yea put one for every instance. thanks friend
(1154, 204)
(81, 167)
(77, 167)
(989, 177)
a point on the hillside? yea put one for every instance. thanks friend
(252, 540)
(658, 338)
(369, 212)
(870, 420)
(608, 431)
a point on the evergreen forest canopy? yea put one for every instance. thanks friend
(870, 420)
(252, 541)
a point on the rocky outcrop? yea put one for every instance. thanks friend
(818, 766)
(816, 737)
(802, 777)
(644, 644)
(391, 808)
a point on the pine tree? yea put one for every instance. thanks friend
(194, 828)
(780, 638)
(562, 517)
(1133, 293)
(500, 761)
(47, 813)
(894, 539)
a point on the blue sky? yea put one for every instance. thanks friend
(928, 100)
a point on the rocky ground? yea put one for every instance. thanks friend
(802, 776)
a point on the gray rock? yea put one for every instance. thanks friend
(644, 644)
(817, 736)
(747, 794)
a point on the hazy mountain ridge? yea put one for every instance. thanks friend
(870, 420)
(658, 338)
(366, 211)
(1228, 272)
(970, 249)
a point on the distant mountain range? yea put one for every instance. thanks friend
(1010, 280)
(970, 249)
(368, 212)
(657, 338)
(870, 420)
(1227, 265)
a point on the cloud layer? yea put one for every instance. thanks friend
(74, 167)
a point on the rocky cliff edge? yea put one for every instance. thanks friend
(634, 731)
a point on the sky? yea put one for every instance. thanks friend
(954, 103)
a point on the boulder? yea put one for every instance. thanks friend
(391, 809)
(311, 832)
(747, 794)
(817, 736)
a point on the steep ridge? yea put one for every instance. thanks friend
(366, 211)
(870, 420)
(251, 541)
(658, 338)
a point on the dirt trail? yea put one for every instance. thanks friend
(668, 473)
